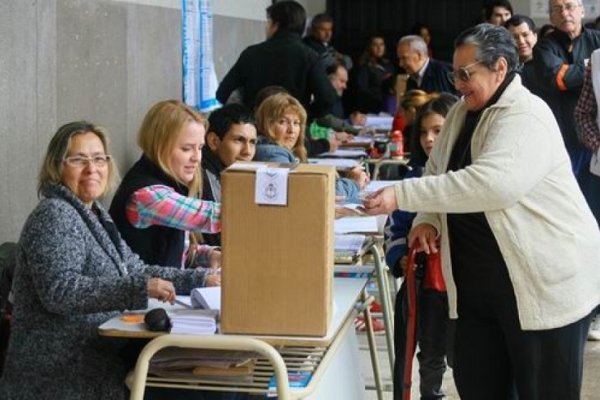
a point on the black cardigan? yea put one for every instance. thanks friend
(159, 245)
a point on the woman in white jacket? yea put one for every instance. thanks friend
(520, 247)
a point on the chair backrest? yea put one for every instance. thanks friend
(8, 260)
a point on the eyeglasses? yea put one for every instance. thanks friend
(462, 74)
(569, 7)
(81, 161)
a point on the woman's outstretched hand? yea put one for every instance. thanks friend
(382, 201)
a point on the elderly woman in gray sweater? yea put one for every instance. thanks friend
(73, 273)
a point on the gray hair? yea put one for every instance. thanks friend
(416, 43)
(52, 166)
(492, 43)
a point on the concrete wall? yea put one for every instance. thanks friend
(102, 60)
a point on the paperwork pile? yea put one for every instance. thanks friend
(215, 365)
(193, 322)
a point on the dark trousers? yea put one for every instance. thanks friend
(432, 320)
(588, 182)
(494, 357)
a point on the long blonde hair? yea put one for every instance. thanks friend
(274, 107)
(158, 134)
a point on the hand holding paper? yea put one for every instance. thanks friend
(382, 201)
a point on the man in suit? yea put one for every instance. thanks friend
(424, 72)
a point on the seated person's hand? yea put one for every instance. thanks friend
(213, 277)
(358, 175)
(333, 143)
(161, 289)
(214, 260)
(358, 118)
(366, 132)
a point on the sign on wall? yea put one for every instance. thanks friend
(199, 77)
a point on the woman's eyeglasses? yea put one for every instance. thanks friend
(462, 74)
(81, 161)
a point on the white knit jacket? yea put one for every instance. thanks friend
(521, 179)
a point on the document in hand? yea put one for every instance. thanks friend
(193, 322)
(208, 298)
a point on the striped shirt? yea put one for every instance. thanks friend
(161, 205)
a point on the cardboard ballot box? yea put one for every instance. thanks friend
(277, 258)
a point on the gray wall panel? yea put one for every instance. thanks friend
(231, 36)
(18, 113)
(153, 68)
(101, 60)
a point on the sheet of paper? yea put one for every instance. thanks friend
(349, 242)
(246, 166)
(356, 224)
(345, 153)
(339, 163)
(185, 301)
(379, 121)
(374, 186)
(207, 297)
(362, 139)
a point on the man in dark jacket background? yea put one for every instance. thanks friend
(318, 38)
(424, 72)
(283, 60)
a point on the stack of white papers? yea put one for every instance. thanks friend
(193, 322)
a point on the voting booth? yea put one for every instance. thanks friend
(277, 239)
